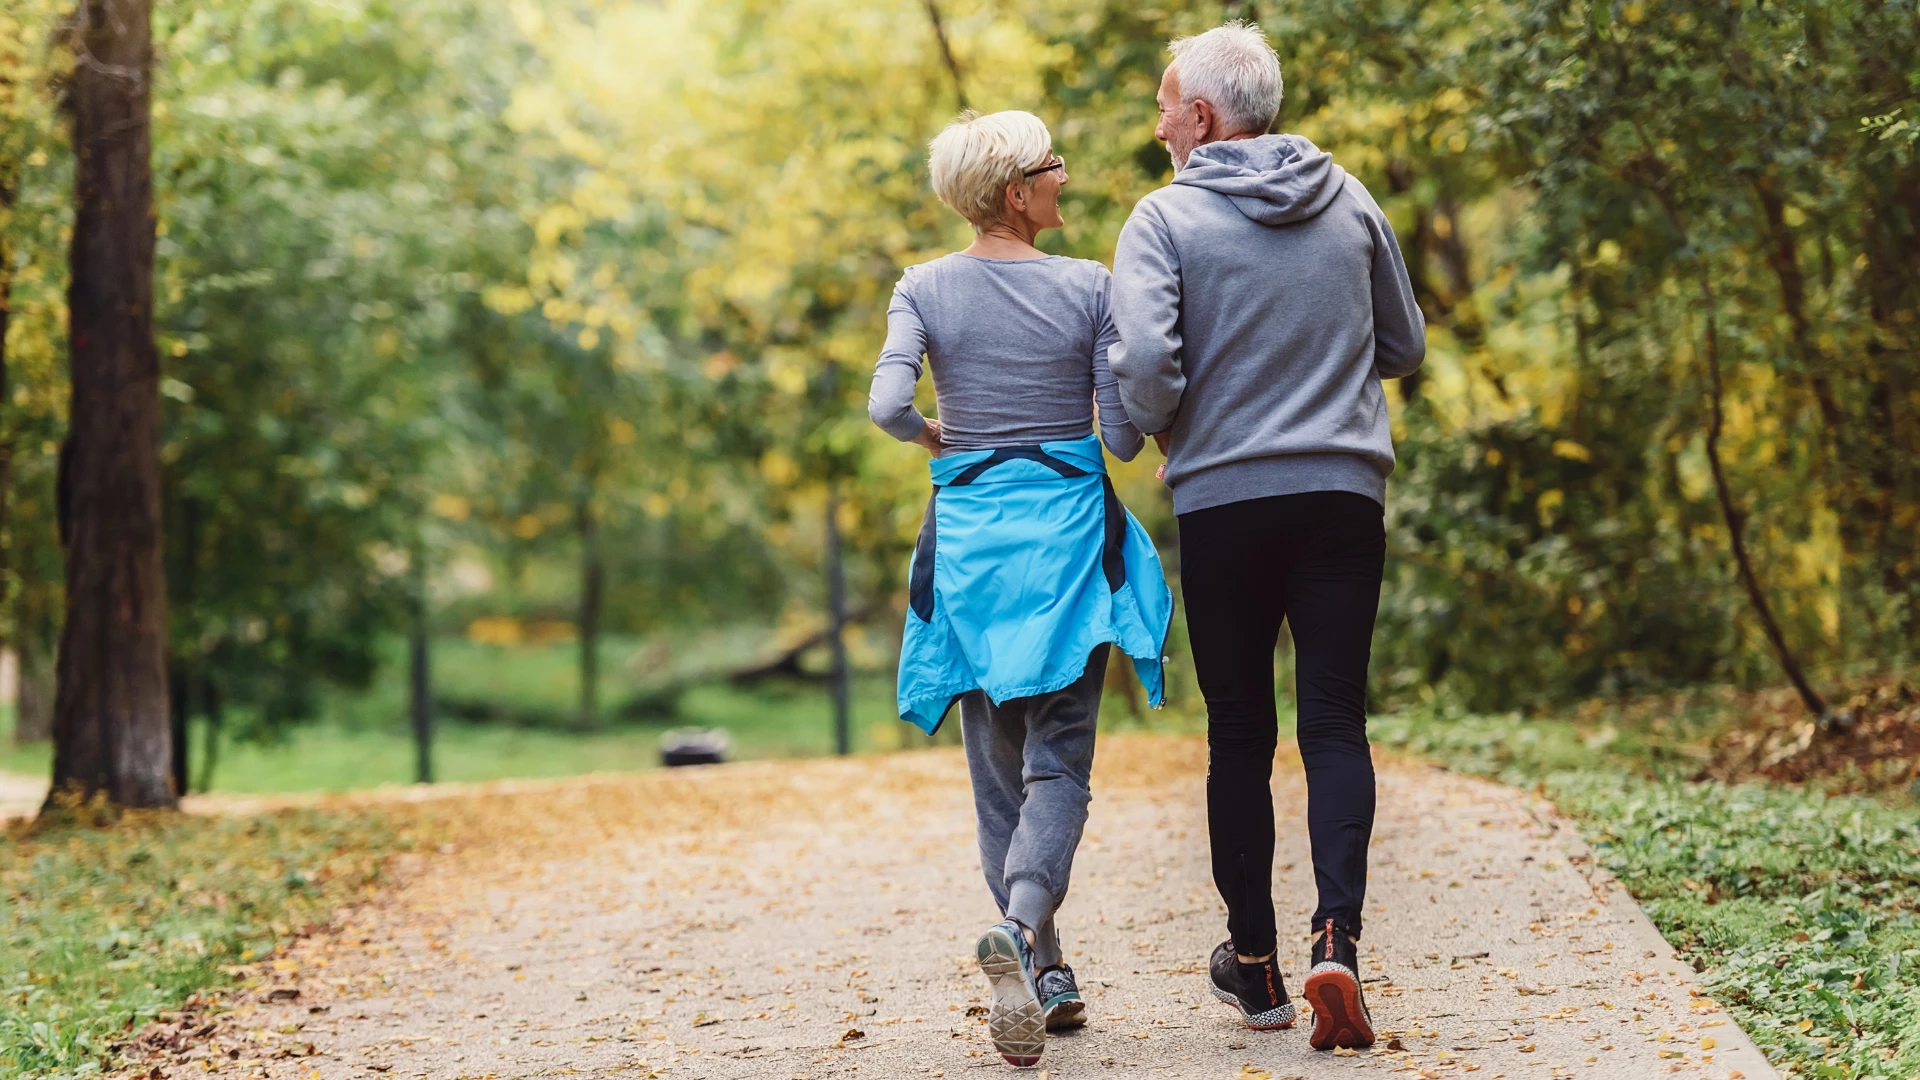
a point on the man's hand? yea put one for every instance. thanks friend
(1161, 439)
(929, 437)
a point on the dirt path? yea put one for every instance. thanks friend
(815, 919)
(21, 796)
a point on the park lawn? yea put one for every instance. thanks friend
(111, 920)
(1801, 910)
(330, 755)
(362, 739)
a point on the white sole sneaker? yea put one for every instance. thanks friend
(1271, 1020)
(1015, 1021)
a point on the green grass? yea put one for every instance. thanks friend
(1802, 911)
(332, 755)
(363, 739)
(109, 922)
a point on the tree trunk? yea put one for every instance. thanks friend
(837, 621)
(182, 672)
(1736, 521)
(592, 585)
(1722, 488)
(9, 190)
(111, 730)
(6, 397)
(420, 680)
(33, 722)
(179, 713)
(210, 746)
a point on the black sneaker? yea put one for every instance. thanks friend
(1060, 998)
(1015, 1020)
(1340, 1016)
(1257, 990)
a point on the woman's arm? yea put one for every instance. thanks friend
(890, 399)
(1117, 430)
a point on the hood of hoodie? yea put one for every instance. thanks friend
(1274, 179)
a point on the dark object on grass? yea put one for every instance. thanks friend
(694, 746)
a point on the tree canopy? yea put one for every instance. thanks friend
(571, 311)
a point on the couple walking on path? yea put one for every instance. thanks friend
(1254, 307)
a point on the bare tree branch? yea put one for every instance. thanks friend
(1716, 423)
(946, 51)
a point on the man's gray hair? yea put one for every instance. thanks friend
(1233, 69)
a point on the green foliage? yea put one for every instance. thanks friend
(1695, 178)
(549, 294)
(105, 927)
(329, 183)
(1802, 911)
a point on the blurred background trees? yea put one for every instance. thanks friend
(539, 337)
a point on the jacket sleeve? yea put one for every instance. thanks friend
(1117, 429)
(1146, 313)
(1399, 330)
(890, 399)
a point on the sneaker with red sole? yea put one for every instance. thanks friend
(1340, 1017)
(1256, 990)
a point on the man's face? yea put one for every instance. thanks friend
(1180, 128)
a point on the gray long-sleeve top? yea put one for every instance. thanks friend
(1019, 354)
(1260, 299)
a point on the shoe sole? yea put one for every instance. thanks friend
(1271, 1020)
(1015, 1021)
(1071, 1013)
(1339, 1015)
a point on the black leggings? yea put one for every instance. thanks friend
(1315, 560)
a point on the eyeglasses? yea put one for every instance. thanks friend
(1057, 163)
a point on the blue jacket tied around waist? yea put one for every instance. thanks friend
(1026, 561)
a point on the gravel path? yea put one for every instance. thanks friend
(21, 796)
(819, 922)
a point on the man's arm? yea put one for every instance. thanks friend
(1399, 330)
(1146, 312)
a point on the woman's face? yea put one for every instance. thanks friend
(1041, 195)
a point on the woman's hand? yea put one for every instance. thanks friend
(1162, 440)
(929, 437)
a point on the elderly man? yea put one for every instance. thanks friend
(1260, 299)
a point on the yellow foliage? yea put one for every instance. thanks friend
(502, 630)
(1571, 450)
(451, 507)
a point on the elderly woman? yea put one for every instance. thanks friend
(1027, 566)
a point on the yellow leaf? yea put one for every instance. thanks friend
(451, 507)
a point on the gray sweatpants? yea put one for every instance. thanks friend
(1031, 759)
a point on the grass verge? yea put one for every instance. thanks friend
(1801, 910)
(109, 921)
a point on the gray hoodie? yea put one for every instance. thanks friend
(1260, 299)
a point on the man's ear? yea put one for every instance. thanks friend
(1209, 121)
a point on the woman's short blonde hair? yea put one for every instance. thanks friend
(976, 157)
